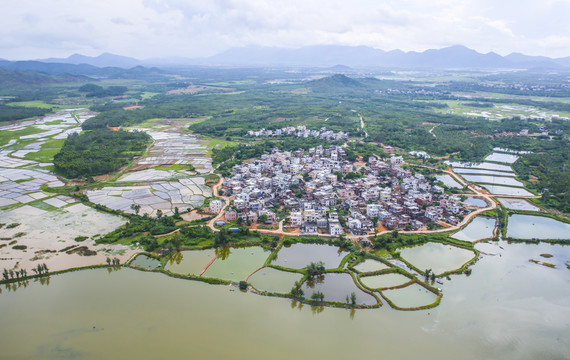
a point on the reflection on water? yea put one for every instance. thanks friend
(336, 287)
(508, 308)
(297, 256)
(274, 280)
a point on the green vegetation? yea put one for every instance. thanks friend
(98, 152)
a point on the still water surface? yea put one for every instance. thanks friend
(509, 308)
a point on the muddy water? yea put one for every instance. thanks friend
(509, 308)
(438, 257)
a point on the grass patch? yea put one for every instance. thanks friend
(6, 136)
(35, 104)
(81, 238)
(12, 225)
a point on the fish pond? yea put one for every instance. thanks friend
(146, 262)
(298, 256)
(536, 227)
(190, 262)
(411, 296)
(384, 280)
(478, 229)
(336, 287)
(370, 265)
(237, 263)
(273, 280)
(438, 257)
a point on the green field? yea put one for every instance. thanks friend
(6, 136)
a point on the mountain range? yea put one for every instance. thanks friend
(454, 57)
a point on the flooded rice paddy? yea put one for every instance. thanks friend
(501, 157)
(449, 181)
(517, 204)
(506, 190)
(497, 180)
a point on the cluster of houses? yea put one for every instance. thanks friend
(301, 131)
(314, 187)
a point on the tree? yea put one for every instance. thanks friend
(315, 269)
(243, 285)
(158, 214)
(262, 218)
(136, 208)
(108, 260)
(176, 213)
(317, 296)
(353, 298)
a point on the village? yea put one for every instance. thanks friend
(320, 192)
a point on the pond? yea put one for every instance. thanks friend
(297, 256)
(504, 158)
(505, 190)
(411, 296)
(336, 287)
(273, 280)
(483, 171)
(483, 165)
(536, 227)
(370, 265)
(438, 257)
(237, 263)
(475, 202)
(146, 262)
(448, 181)
(508, 308)
(190, 262)
(517, 204)
(497, 180)
(384, 281)
(478, 229)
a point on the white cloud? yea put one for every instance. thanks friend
(152, 28)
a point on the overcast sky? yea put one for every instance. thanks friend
(193, 28)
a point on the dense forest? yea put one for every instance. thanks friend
(98, 152)
(10, 113)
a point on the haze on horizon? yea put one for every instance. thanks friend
(33, 29)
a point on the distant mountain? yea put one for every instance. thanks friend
(103, 60)
(362, 56)
(14, 79)
(139, 72)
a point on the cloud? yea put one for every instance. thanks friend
(150, 28)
